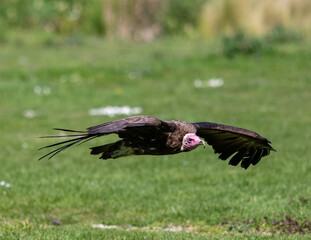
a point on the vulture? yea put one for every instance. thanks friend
(145, 135)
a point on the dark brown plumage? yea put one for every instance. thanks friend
(145, 135)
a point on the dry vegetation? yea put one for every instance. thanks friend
(139, 19)
(255, 17)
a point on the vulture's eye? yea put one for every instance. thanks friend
(190, 140)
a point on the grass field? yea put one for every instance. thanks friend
(53, 83)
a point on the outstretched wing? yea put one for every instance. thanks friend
(248, 146)
(128, 124)
(132, 126)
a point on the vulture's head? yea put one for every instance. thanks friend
(190, 142)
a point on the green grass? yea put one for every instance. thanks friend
(268, 93)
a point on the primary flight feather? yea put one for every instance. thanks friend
(145, 135)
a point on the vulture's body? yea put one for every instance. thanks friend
(145, 135)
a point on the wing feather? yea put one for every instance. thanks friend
(132, 126)
(257, 157)
(122, 124)
(246, 146)
(235, 160)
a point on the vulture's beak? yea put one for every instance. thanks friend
(202, 143)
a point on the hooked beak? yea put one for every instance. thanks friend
(202, 143)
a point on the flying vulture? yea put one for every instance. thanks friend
(145, 135)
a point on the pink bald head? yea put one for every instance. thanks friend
(191, 141)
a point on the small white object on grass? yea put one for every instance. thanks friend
(215, 82)
(46, 91)
(173, 229)
(170, 228)
(102, 226)
(41, 90)
(4, 184)
(37, 90)
(212, 83)
(111, 111)
(134, 75)
(29, 113)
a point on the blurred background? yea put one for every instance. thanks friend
(146, 20)
(74, 64)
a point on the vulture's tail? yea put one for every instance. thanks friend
(80, 137)
(113, 150)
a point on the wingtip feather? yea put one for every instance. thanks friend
(68, 130)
